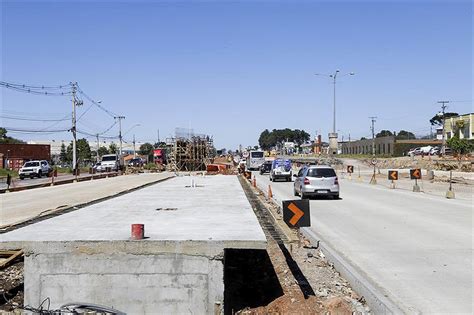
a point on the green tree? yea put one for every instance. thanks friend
(437, 119)
(160, 144)
(405, 135)
(384, 133)
(63, 154)
(103, 150)
(276, 137)
(83, 153)
(147, 149)
(459, 146)
(6, 139)
(113, 148)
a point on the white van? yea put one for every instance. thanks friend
(112, 162)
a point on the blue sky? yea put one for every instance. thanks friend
(232, 69)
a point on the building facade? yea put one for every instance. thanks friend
(461, 125)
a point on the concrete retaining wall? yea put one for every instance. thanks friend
(151, 282)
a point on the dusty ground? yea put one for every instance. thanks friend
(332, 294)
(11, 286)
(426, 162)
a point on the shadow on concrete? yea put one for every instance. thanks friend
(297, 273)
(249, 279)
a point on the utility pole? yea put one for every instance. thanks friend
(373, 134)
(98, 146)
(75, 103)
(443, 108)
(373, 180)
(134, 152)
(120, 132)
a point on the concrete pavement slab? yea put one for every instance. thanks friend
(23, 205)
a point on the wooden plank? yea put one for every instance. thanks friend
(8, 252)
(4, 263)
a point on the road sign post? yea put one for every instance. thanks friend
(350, 170)
(392, 176)
(450, 192)
(296, 213)
(373, 180)
(416, 175)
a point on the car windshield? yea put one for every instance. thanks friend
(257, 154)
(109, 158)
(31, 164)
(321, 172)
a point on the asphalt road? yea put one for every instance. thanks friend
(416, 248)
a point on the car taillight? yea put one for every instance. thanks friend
(306, 181)
(336, 181)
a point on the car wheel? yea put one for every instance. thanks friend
(336, 196)
(22, 178)
(40, 174)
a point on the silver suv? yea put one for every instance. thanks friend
(34, 169)
(316, 180)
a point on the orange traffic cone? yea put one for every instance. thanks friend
(270, 194)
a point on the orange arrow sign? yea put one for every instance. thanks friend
(297, 211)
(393, 175)
(416, 173)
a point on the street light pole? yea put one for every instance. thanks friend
(333, 145)
(334, 107)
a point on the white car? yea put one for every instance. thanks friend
(34, 169)
(316, 180)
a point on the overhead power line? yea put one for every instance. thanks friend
(34, 131)
(32, 119)
(59, 90)
(110, 113)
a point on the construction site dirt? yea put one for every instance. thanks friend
(309, 283)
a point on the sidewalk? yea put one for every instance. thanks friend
(28, 204)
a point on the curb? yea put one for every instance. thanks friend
(375, 297)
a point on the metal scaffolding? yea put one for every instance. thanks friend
(189, 151)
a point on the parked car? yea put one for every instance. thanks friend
(316, 180)
(266, 167)
(98, 167)
(414, 151)
(435, 151)
(281, 169)
(135, 162)
(35, 168)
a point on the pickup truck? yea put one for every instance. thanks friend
(35, 168)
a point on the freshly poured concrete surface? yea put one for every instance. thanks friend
(216, 210)
(86, 255)
(417, 248)
(19, 206)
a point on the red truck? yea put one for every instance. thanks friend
(159, 156)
